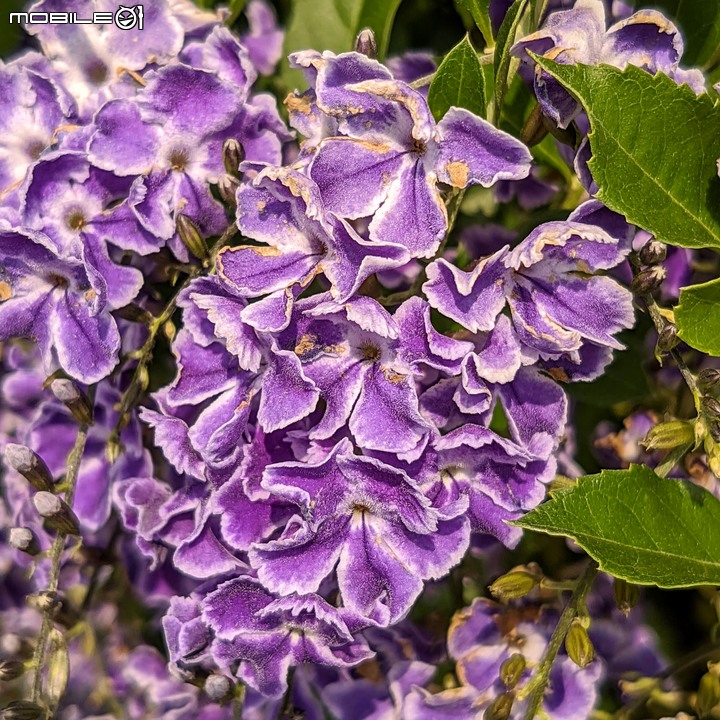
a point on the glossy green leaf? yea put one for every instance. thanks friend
(505, 65)
(699, 23)
(638, 526)
(480, 12)
(655, 146)
(698, 316)
(333, 25)
(459, 81)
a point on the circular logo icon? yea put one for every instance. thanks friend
(126, 18)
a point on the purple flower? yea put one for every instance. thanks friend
(33, 110)
(171, 137)
(283, 208)
(368, 518)
(481, 638)
(578, 35)
(268, 636)
(391, 155)
(94, 62)
(62, 303)
(264, 40)
(558, 307)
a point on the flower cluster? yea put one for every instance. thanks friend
(360, 397)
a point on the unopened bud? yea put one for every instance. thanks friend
(514, 585)
(668, 339)
(58, 515)
(708, 694)
(534, 130)
(669, 435)
(626, 595)
(366, 44)
(113, 449)
(11, 669)
(22, 710)
(169, 331)
(578, 645)
(500, 708)
(227, 189)
(134, 313)
(648, 280)
(653, 252)
(191, 238)
(710, 407)
(24, 539)
(76, 401)
(30, 465)
(708, 380)
(218, 688)
(233, 154)
(511, 670)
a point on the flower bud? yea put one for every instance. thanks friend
(668, 338)
(366, 44)
(76, 401)
(708, 380)
(648, 280)
(534, 130)
(514, 585)
(22, 710)
(653, 252)
(191, 238)
(30, 465)
(227, 188)
(233, 154)
(11, 669)
(58, 515)
(708, 694)
(626, 595)
(500, 708)
(669, 435)
(511, 670)
(24, 539)
(578, 646)
(710, 408)
(218, 688)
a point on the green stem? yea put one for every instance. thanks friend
(536, 686)
(73, 468)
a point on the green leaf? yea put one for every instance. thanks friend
(698, 316)
(458, 81)
(638, 526)
(480, 12)
(505, 65)
(333, 25)
(699, 23)
(655, 146)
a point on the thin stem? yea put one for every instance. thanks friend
(536, 686)
(73, 468)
